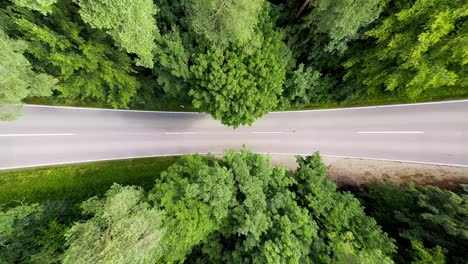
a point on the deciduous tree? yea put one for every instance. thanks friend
(131, 24)
(17, 79)
(124, 228)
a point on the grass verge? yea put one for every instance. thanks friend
(78, 182)
(166, 105)
(387, 99)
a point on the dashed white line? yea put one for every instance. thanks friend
(390, 132)
(179, 133)
(35, 135)
(266, 132)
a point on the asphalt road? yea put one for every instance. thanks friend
(431, 133)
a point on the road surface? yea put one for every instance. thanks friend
(428, 133)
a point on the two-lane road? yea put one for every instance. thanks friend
(431, 132)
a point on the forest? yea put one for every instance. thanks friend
(236, 60)
(238, 209)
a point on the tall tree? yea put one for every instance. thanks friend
(34, 233)
(345, 231)
(225, 21)
(195, 194)
(83, 61)
(237, 87)
(326, 26)
(431, 215)
(124, 228)
(17, 79)
(420, 47)
(131, 24)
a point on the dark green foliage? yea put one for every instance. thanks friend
(225, 21)
(305, 86)
(124, 228)
(238, 86)
(242, 209)
(172, 67)
(195, 194)
(86, 67)
(422, 255)
(431, 215)
(131, 24)
(420, 47)
(34, 233)
(344, 229)
(17, 79)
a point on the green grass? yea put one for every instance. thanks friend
(79, 181)
(387, 99)
(163, 105)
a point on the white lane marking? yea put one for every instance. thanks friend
(390, 132)
(114, 110)
(179, 133)
(266, 132)
(220, 153)
(276, 112)
(371, 107)
(35, 135)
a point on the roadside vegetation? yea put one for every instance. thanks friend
(199, 56)
(77, 182)
(236, 209)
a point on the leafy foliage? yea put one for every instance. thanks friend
(124, 228)
(85, 68)
(421, 46)
(345, 231)
(43, 6)
(33, 233)
(17, 79)
(131, 24)
(428, 214)
(237, 87)
(195, 194)
(341, 20)
(218, 20)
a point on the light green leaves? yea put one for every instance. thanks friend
(416, 49)
(225, 21)
(124, 229)
(130, 23)
(43, 6)
(17, 79)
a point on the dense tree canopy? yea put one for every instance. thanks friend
(17, 79)
(435, 217)
(340, 20)
(237, 87)
(124, 228)
(241, 209)
(131, 24)
(238, 209)
(233, 59)
(225, 21)
(422, 46)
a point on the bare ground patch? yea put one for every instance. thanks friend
(358, 172)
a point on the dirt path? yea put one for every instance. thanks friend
(357, 172)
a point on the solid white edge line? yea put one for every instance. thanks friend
(372, 107)
(266, 132)
(274, 112)
(35, 135)
(114, 110)
(218, 153)
(390, 132)
(179, 133)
